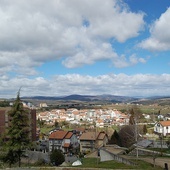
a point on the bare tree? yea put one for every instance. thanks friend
(135, 116)
(127, 135)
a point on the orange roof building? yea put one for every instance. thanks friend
(63, 140)
(92, 140)
(162, 128)
(165, 123)
(58, 135)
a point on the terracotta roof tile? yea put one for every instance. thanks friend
(101, 136)
(89, 136)
(69, 135)
(165, 123)
(80, 129)
(58, 134)
(76, 112)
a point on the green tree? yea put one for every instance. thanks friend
(56, 124)
(10, 157)
(4, 103)
(145, 129)
(40, 123)
(18, 135)
(115, 139)
(56, 157)
(64, 124)
(135, 115)
(168, 143)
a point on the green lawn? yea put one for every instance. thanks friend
(45, 129)
(163, 150)
(93, 162)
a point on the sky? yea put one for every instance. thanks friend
(86, 47)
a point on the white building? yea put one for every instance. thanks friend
(162, 128)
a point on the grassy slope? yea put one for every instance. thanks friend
(93, 162)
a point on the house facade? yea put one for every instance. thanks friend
(102, 139)
(89, 141)
(65, 141)
(162, 128)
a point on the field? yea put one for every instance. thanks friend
(146, 109)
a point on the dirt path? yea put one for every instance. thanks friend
(158, 161)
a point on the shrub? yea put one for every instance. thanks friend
(57, 157)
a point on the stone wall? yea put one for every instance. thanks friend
(105, 155)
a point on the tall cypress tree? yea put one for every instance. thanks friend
(115, 139)
(18, 136)
(132, 117)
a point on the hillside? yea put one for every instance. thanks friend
(111, 98)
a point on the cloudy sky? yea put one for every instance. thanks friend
(63, 47)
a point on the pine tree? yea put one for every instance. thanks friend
(145, 129)
(18, 135)
(115, 139)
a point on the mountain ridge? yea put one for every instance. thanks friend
(103, 98)
(84, 98)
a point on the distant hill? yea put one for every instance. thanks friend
(160, 100)
(76, 97)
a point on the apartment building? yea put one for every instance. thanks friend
(89, 141)
(4, 122)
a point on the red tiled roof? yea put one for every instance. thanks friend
(89, 136)
(69, 135)
(165, 123)
(101, 136)
(80, 129)
(58, 134)
(76, 112)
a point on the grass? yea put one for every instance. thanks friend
(93, 162)
(45, 129)
(163, 150)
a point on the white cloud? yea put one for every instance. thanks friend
(160, 34)
(120, 84)
(100, 51)
(123, 61)
(40, 31)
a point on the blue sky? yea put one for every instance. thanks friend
(63, 47)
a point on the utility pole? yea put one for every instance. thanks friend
(154, 157)
(153, 116)
(96, 144)
(136, 137)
